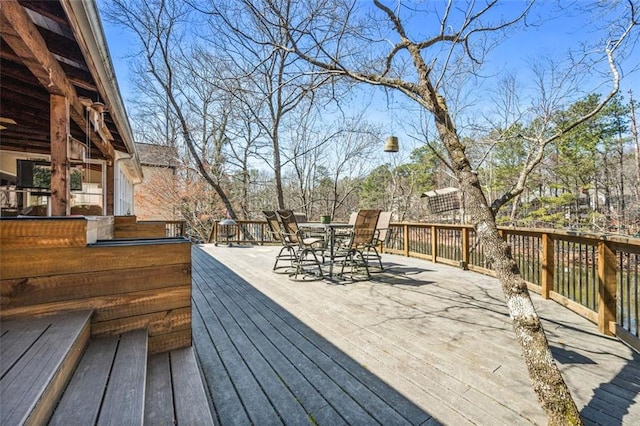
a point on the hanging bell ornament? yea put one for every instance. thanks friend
(391, 144)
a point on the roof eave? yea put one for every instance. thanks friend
(84, 18)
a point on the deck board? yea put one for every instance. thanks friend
(191, 405)
(124, 398)
(295, 353)
(158, 407)
(228, 408)
(284, 365)
(82, 399)
(31, 379)
(17, 339)
(303, 344)
(420, 343)
(242, 382)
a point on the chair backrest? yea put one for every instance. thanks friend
(301, 217)
(364, 230)
(274, 225)
(290, 228)
(352, 218)
(383, 226)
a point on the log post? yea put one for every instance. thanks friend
(60, 175)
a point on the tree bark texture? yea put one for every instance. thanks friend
(547, 382)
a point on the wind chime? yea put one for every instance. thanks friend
(391, 143)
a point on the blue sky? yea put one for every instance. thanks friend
(551, 39)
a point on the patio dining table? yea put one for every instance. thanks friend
(330, 236)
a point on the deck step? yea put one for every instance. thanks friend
(37, 357)
(108, 386)
(187, 402)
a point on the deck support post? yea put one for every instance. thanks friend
(110, 188)
(60, 174)
(606, 288)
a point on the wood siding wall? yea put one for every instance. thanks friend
(47, 266)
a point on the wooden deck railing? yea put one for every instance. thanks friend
(131, 227)
(597, 276)
(175, 228)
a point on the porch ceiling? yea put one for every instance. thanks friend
(23, 97)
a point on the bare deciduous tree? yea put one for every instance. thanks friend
(328, 157)
(158, 26)
(376, 47)
(272, 86)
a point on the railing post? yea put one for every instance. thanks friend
(465, 249)
(606, 288)
(434, 244)
(548, 266)
(405, 235)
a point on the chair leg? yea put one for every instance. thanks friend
(303, 260)
(291, 256)
(351, 258)
(375, 254)
(364, 262)
(348, 258)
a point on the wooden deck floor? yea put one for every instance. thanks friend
(421, 343)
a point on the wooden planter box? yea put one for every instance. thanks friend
(59, 265)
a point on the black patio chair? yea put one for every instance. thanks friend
(288, 252)
(307, 246)
(362, 236)
(381, 235)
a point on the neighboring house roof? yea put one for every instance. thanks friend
(58, 47)
(157, 155)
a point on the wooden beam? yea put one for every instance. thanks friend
(23, 37)
(20, 33)
(60, 175)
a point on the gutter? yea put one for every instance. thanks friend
(138, 178)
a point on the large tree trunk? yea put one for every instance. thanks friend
(544, 374)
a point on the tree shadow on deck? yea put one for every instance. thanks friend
(263, 366)
(611, 400)
(397, 274)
